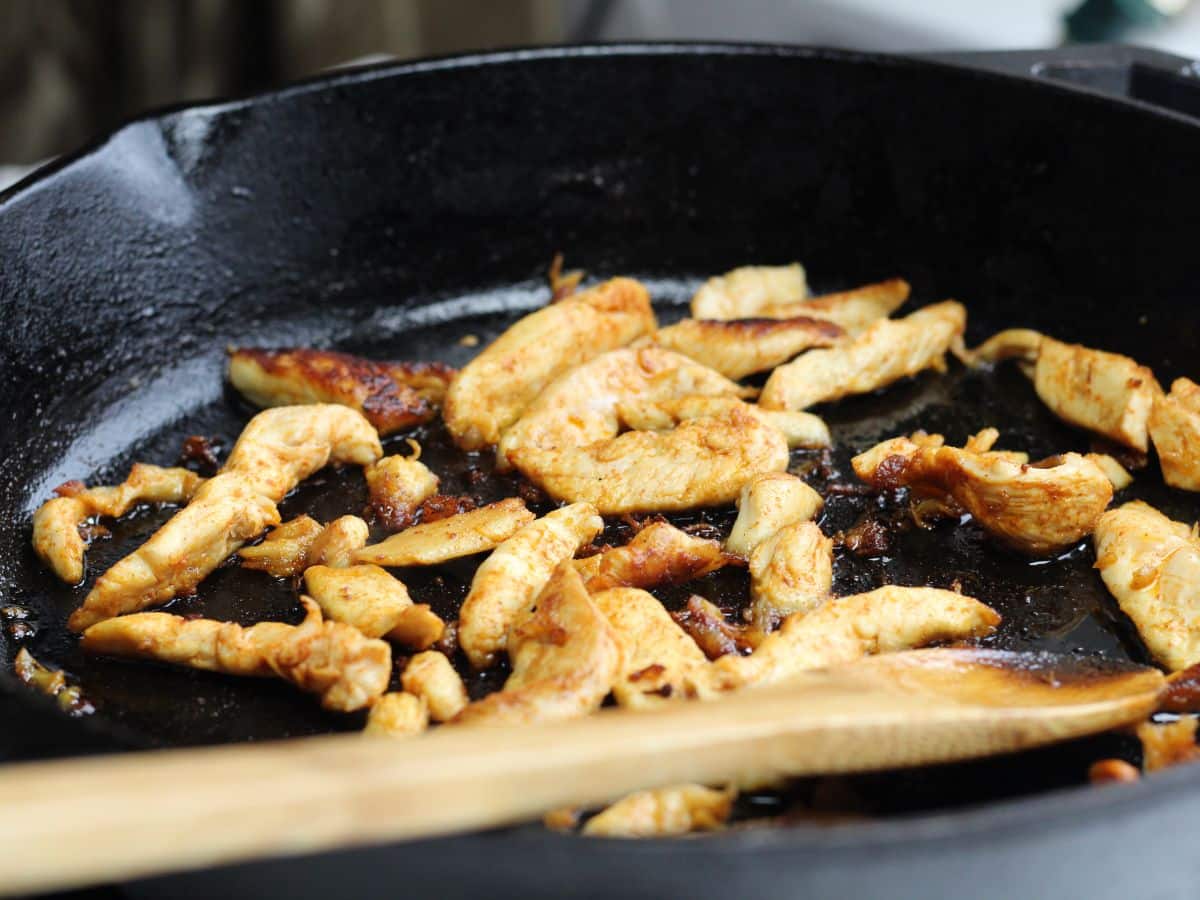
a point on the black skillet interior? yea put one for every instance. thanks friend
(391, 212)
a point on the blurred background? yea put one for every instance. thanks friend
(73, 69)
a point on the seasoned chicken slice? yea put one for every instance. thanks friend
(398, 714)
(347, 670)
(768, 503)
(799, 429)
(665, 812)
(493, 390)
(56, 524)
(336, 544)
(851, 310)
(743, 292)
(510, 579)
(465, 534)
(391, 395)
(790, 572)
(1151, 564)
(431, 677)
(1105, 393)
(740, 347)
(703, 462)
(283, 553)
(398, 486)
(885, 352)
(225, 512)
(1037, 508)
(565, 658)
(658, 657)
(374, 602)
(1175, 430)
(658, 554)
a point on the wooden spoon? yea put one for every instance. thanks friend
(82, 821)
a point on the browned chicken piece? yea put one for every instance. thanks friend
(665, 812)
(431, 677)
(885, 352)
(658, 657)
(740, 347)
(493, 390)
(225, 512)
(398, 486)
(1151, 564)
(56, 524)
(705, 623)
(851, 310)
(510, 579)
(398, 714)
(562, 284)
(374, 602)
(790, 572)
(799, 429)
(392, 396)
(703, 462)
(347, 670)
(51, 682)
(768, 503)
(1166, 744)
(1175, 430)
(743, 292)
(1106, 393)
(465, 534)
(283, 553)
(658, 554)
(565, 658)
(336, 544)
(1037, 508)
(419, 628)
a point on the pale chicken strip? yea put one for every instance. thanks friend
(493, 390)
(508, 581)
(790, 572)
(768, 503)
(1037, 508)
(465, 534)
(1151, 564)
(799, 429)
(658, 657)
(397, 715)
(1175, 430)
(887, 351)
(665, 812)
(336, 544)
(374, 602)
(347, 670)
(740, 347)
(851, 310)
(398, 485)
(742, 292)
(565, 658)
(658, 554)
(431, 677)
(283, 553)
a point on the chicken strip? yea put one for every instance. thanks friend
(508, 581)
(1036, 508)
(665, 812)
(1105, 393)
(565, 658)
(703, 462)
(885, 352)
(658, 657)
(347, 670)
(431, 677)
(398, 485)
(465, 534)
(283, 553)
(1151, 564)
(1175, 429)
(392, 396)
(740, 347)
(799, 429)
(374, 602)
(852, 310)
(56, 524)
(398, 714)
(744, 291)
(768, 503)
(336, 544)
(790, 572)
(494, 389)
(658, 554)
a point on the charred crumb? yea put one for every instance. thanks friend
(870, 536)
(201, 451)
(93, 531)
(531, 493)
(442, 506)
(448, 642)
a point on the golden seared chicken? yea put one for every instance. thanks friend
(1151, 564)
(347, 670)
(740, 347)
(398, 485)
(493, 390)
(374, 602)
(283, 553)
(1175, 430)
(398, 714)
(885, 352)
(1106, 393)
(565, 658)
(658, 657)
(338, 541)
(742, 292)
(658, 554)
(665, 812)
(508, 581)
(431, 677)
(851, 310)
(56, 524)
(703, 462)
(391, 395)
(1037, 508)
(799, 429)
(583, 405)
(464, 534)
(768, 503)
(790, 572)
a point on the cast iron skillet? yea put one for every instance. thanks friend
(392, 210)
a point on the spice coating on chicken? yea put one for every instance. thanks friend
(740, 347)
(398, 485)
(283, 553)
(493, 390)
(431, 677)
(1175, 430)
(658, 554)
(456, 536)
(665, 812)
(397, 715)
(744, 291)
(799, 429)
(790, 572)
(851, 310)
(337, 542)
(768, 503)
(374, 602)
